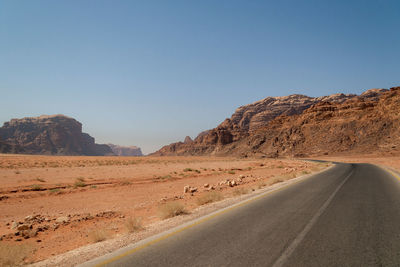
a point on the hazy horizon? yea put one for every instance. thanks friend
(148, 73)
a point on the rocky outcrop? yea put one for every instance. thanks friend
(126, 150)
(51, 135)
(248, 130)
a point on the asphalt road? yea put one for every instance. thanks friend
(348, 215)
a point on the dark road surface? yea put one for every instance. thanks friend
(348, 215)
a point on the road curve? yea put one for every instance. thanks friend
(348, 215)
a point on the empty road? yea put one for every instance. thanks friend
(348, 215)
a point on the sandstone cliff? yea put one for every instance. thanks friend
(52, 135)
(126, 150)
(298, 125)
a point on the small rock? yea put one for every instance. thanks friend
(242, 176)
(23, 227)
(193, 189)
(38, 240)
(14, 225)
(63, 219)
(28, 218)
(186, 189)
(18, 239)
(206, 185)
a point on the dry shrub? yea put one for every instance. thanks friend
(97, 235)
(171, 209)
(209, 197)
(13, 255)
(277, 180)
(240, 191)
(79, 183)
(133, 224)
(261, 184)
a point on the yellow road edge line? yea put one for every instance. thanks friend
(395, 175)
(208, 217)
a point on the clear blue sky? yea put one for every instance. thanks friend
(148, 73)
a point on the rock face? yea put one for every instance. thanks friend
(51, 135)
(126, 150)
(299, 125)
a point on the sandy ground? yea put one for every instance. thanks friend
(50, 205)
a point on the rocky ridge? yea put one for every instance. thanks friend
(49, 135)
(298, 125)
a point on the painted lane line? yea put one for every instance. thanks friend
(289, 250)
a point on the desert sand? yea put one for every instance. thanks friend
(53, 204)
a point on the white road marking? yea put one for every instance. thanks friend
(289, 250)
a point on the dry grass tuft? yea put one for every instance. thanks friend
(97, 235)
(240, 191)
(133, 224)
(13, 255)
(209, 197)
(79, 183)
(171, 209)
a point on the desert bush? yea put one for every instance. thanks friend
(79, 183)
(188, 170)
(36, 187)
(97, 235)
(261, 184)
(209, 197)
(171, 209)
(231, 172)
(240, 191)
(277, 180)
(133, 224)
(13, 255)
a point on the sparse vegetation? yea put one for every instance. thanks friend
(277, 180)
(36, 187)
(133, 224)
(231, 172)
(191, 170)
(240, 191)
(209, 197)
(13, 255)
(79, 183)
(54, 190)
(97, 235)
(171, 209)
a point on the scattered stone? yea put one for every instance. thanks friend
(63, 219)
(14, 225)
(18, 239)
(193, 189)
(38, 240)
(23, 227)
(186, 189)
(206, 185)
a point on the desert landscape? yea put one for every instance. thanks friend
(71, 193)
(54, 204)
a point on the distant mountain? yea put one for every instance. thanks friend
(49, 135)
(126, 150)
(298, 125)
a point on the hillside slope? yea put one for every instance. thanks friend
(298, 125)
